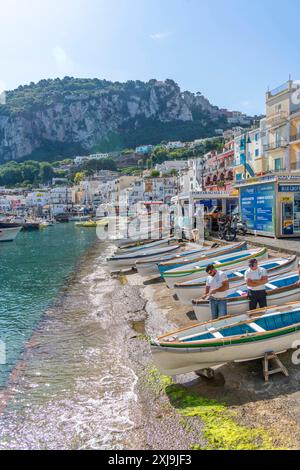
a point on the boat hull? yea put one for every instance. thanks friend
(9, 234)
(187, 292)
(195, 272)
(203, 312)
(150, 268)
(127, 262)
(173, 361)
(150, 245)
(213, 252)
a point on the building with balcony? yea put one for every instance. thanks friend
(219, 169)
(283, 128)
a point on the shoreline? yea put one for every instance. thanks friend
(154, 412)
(271, 410)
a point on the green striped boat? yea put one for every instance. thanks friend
(241, 337)
(197, 269)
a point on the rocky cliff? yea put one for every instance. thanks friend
(76, 116)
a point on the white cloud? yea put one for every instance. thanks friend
(61, 57)
(160, 35)
(246, 104)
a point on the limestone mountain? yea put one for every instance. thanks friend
(59, 118)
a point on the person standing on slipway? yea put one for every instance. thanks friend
(217, 285)
(256, 278)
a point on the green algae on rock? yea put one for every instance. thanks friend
(221, 431)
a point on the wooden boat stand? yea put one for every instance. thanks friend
(269, 356)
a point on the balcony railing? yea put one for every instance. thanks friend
(276, 145)
(295, 166)
(277, 118)
(295, 137)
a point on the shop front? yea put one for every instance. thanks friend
(271, 206)
(208, 203)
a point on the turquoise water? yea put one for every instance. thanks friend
(32, 270)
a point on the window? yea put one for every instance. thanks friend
(277, 164)
(257, 152)
(256, 137)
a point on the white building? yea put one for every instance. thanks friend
(190, 179)
(98, 156)
(95, 156)
(60, 199)
(170, 165)
(80, 160)
(5, 205)
(175, 145)
(37, 198)
(151, 189)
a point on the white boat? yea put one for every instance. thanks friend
(197, 270)
(244, 337)
(119, 262)
(9, 231)
(150, 268)
(209, 253)
(279, 290)
(189, 290)
(145, 246)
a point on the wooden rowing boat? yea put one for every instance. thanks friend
(281, 289)
(244, 337)
(189, 290)
(196, 270)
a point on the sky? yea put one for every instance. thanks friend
(232, 51)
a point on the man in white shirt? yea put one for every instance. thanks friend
(256, 278)
(217, 285)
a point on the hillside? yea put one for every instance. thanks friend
(59, 118)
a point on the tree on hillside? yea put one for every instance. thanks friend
(79, 176)
(46, 172)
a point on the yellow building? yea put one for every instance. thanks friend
(282, 140)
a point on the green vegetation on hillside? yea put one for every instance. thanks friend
(27, 174)
(123, 131)
(32, 173)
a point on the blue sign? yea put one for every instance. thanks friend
(257, 206)
(289, 188)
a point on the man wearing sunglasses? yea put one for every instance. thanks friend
(256, 278)
(217, 285)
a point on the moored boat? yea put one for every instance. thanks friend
(197, 270)
(279, 290)
(221, 250)
(189, 290)
(242, 337)
(9, 231)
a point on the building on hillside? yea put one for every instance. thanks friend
(219, 169)
(144, 149)
(98, 156)
(170, 165)
(175, 145)
(80, 160)
(236, 117)
(151, 189)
